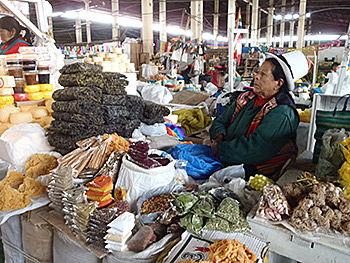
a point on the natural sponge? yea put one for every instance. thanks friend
(40, 164)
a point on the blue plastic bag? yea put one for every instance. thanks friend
(201, 163)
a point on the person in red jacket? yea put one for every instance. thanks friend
(13, 36)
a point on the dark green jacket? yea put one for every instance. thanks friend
(276, 129)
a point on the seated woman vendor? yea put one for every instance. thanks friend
(259, 128)
(11, 36)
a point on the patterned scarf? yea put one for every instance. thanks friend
(243, 99)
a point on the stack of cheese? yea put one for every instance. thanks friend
(6, 90)
(11, 115)
(46, 90)
(113, 62)
(39, 92)
(100, 190)
(33, 92)
(119, 232)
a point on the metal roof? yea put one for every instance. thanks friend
(327, 16)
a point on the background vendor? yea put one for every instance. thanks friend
(220, 76)
(13, 36)
(259, 128)
(331, 79)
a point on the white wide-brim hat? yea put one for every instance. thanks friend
(298, 64)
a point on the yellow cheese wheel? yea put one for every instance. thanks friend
(32, 88)
(6, 111)
(6, 91)
(6, 99)
(39, 112)
(20, 117)
(47, 94)
(46, 87)
(7, 82)
(2, 105)
(35, 96)
(27, 107)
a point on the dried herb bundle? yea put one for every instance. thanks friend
(64, 141)
(153, 110)
(124, 130)
(77, 106)
(79, 118)
(81, 79)
(116, 100)
(81, 67)
(115, 112)
(73, 128)
(78, 93)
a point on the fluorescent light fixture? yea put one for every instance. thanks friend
(277, 17)
(295, 16)
(324, 37)
(129, 22)
(175, 30)
(262, 40)
(97, 17)
(156, 27)
(207, 36)
(308, 15)
(56, 14)
(70, 14)
(188, 33)
(288, 16)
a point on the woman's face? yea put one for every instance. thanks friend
(264, 83)
(6, 35)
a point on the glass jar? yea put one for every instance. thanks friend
(44, 77)
(16, 71)
(20, 82)
(31, 77)
(18, 89)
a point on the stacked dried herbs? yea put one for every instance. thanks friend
(124, 114)
(77, 108)
(95, 102)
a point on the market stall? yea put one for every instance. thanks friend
(111, 158)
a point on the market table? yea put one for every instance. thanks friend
(299, 247)
(296, 245)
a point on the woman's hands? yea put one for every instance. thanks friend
(214, 144)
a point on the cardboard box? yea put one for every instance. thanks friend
(189, 97)
(135, 51)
